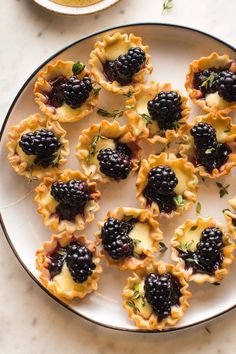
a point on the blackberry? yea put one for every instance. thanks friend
(79, 260)
(166, 109)
(56, 262)
(162, 179)
(226, 83)
(166, 203)
(76, 91)
(73, 193)
(72, 197)
(115, 239)
(204, 137)
(43, 143)
(206, 81)
(116, 163)
(208, 255)
(56, 95)
(125, 66)
(162, 292)
(214, 159)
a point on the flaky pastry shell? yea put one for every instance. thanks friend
(50, 218)
(109, 49)
(43, 260)
(141, 123)
(110, 130)
(225, 133)
(156, 235)
(216, 61)
(230, 218)
(187, 186)
(200, 224)
(18, 159)
(64, 113)
(177, 311)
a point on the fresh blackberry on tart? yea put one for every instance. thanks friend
(157, 112)
(37, 147)
(120, 62)
(204, 248)
(211, 83)
(108, 151)
(69, 265)
(157, 297)
(129, 237)
(67, 201)
(65, 91)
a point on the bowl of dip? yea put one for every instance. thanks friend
(76, 7)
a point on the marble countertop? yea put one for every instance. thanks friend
(31, 322)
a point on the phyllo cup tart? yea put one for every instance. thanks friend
(67, 201)
(120, 62)
(157, 112)
(203, 250)
(65, 91)
(108, 152)
(156, 298)
(129, 238)
(230, 217)
(166, 185)
(69, 266)
(211, 83)
(209, 143)
(37, 147)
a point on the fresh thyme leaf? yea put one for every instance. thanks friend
(96, 90)
(129, 106)
(198, 208)
(77, 68)
(139, 165)
(163, 248)
(167, 5)
(129, 94)
(147, 119)
(161, 133)
(193, 228)
(62, 251)
(190, 260)
(131, 304)
(176, 125)
(93, 146)
(128, 218)
(222, 189)
(180, 201)
(209, 80)
(56, 158)
(117, 113)
(209, 151)
(186, 246)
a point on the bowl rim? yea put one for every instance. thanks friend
(7, 236)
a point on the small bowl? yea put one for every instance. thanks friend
(76, 10)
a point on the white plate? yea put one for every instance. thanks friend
(172, 48)
(75, 10)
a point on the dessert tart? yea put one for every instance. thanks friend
(69, 266)
(107, 151)
(65, 91)
(120, 62)
(209, 143)
(157, 112)
(203, 250)
(37, 147)
(156, 297)
(211, 83)
(166, 184)
(129, 238)
(230, 218)
(67, 201)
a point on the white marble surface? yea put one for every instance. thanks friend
(30, 321)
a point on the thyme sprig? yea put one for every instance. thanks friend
(116, 113)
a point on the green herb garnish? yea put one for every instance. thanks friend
(193, 228)
(209, 80)
(96, 90)
(167, 5)
(117, 113)
(93, 146)
(131, 304)
(129, 94)
(163, 248)
(186, 246)
(180, 201)
(222, 189)
(62, 251)
(77, 68)
(198, 208)
(147, 119)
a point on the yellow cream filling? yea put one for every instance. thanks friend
(142, 306)
(182, 181)
(102, 144)
(65, 281)
(191, 237)
(49, 202)
(29, 159)
(213, 99)
(141, 234)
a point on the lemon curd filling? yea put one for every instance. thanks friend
(77, 3)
